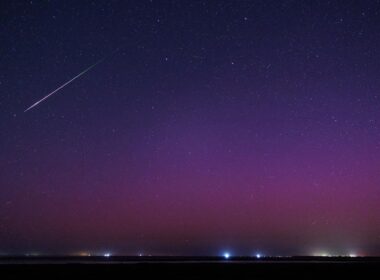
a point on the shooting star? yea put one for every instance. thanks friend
(68, 82)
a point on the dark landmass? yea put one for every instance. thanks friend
(188, 267)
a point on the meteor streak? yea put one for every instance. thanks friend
(68, 82)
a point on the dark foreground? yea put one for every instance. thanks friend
(188, 268)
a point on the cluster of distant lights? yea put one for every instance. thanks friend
(327, 255)
(226, 255)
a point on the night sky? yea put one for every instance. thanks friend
(209, 126)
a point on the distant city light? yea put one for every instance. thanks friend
(107, 255)
(226, 255)
(258, 256)
(352, 255)
(83, 254)
(322, 254)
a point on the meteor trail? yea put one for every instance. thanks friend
(68, 82)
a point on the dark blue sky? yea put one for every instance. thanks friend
(249, 126)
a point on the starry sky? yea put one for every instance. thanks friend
(210, 126)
